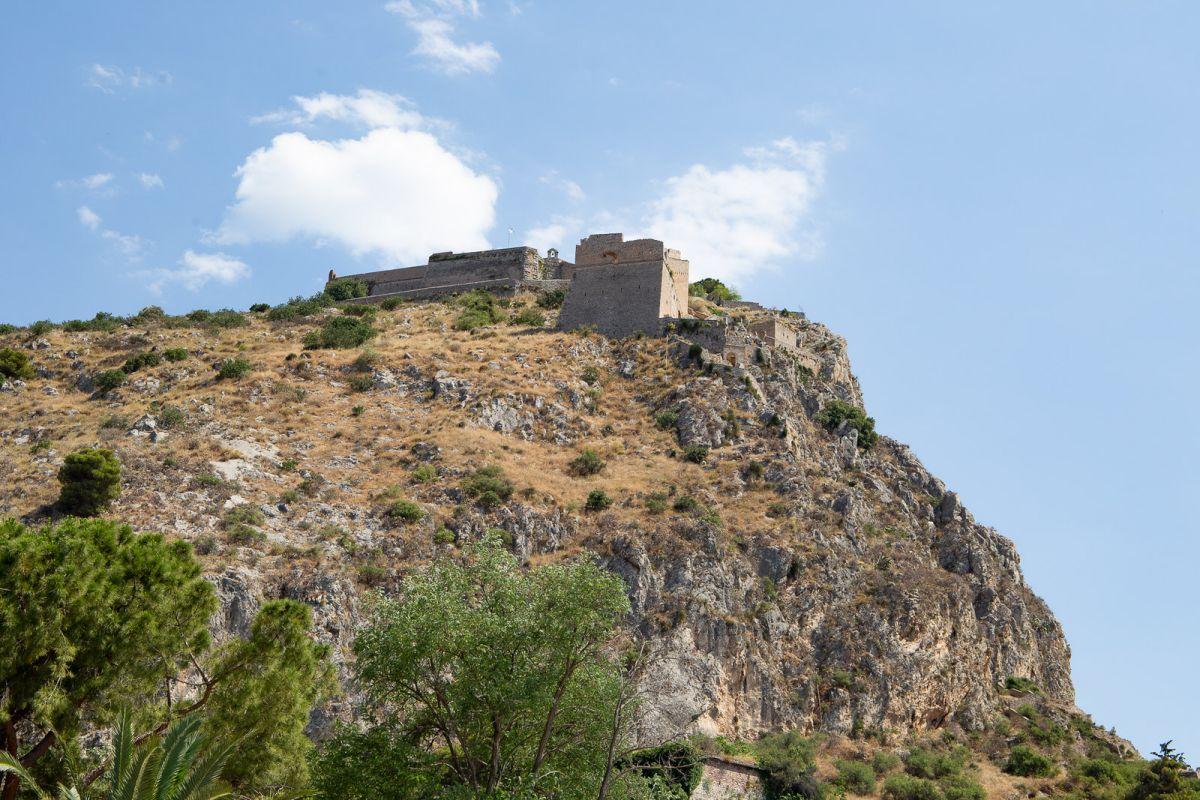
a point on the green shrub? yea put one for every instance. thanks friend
(836, 412)
(884, 762)
(365, 361)
(361, 383)
(906, 787)
(424, 473)
(6, 327)
(686, 504)
(345, 289)
(244, 514)
(234, 369)
(90, 480)
(855, 777)
(665, 420)
(41, 327)
(391, 304)
(488, 486)
(656, 502)
(531, 317)
(1021, 685)
(404, 511)
(108, 380)
(103, 322)
(961, 787)
(443, 535)
(588, 462)
(358, 310)
(339, 333)
(259, 308)
(789, 761)
(299, 307)
(241, 533)
(696, 453)
(175, 354)
(225, 318)
(15, 364)
(479, 309)
(552, 298)
(925, 763)
(136, 362)
(597, 500)
(1026, 762)
(169, 416)
(676, 767)
(714, 290)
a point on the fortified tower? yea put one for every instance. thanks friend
(620, 288)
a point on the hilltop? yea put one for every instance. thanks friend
(790, 567)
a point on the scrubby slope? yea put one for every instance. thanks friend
(785, 576)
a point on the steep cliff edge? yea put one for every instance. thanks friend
(785, 576)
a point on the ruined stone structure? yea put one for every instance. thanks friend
(621, 288)
(729, 779)
(450, 273)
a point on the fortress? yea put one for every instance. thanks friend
(614, 287)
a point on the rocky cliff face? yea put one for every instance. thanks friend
(790, 579)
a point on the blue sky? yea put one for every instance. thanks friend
(997, 207)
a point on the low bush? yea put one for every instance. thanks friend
(15, 364)
(665, 420)
(361, 383)
(1020, 685)
(358, 310)
(686, 504)
(391, 304)
(696, 453)
(90, 480)
(175, 354)
(836, 412)
(225, 318)
(365, 361)
(340, 333)
(424, 473)
(169, 416)
(139, 360)
(6, 327)
(855, 777)
(884, 762)
(925, 763)
(714, 290)
(103, 322)
(259, 308)
(1026, 762)
(961, 787)
(597, 500)
(588, 462)
(552, 298)
(488, 486)
(41, 327)
(108, 380)
(906, 787)
(529, 316)
(234, 369)
(241, 533)
(404, 511)
(790, 763)
(300, 307)
(656, 502)
(479, 309)
(341, 289)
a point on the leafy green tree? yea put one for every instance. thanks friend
(265, 687)
(14, 364)
(714, 290)
(1166, 778)
(345, 289)
(95, 618)
(481, 679)
(92, 617)
(182, 766)
(90, 480)
(836, 412)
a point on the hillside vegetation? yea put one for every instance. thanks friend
(787, 567)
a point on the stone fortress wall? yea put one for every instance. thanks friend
(615, 287)
(623, 288)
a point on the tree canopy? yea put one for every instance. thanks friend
(484, 679)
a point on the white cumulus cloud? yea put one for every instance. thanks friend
(150, 180)
(559, 232)
(92, 183)
(368, 108)
(735, 221)
(88, 218)
(396, 193)
(433, 21)
(195, 270)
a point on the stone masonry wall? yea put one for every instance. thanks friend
(728, 780)
(616, 299)
(457, 272)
